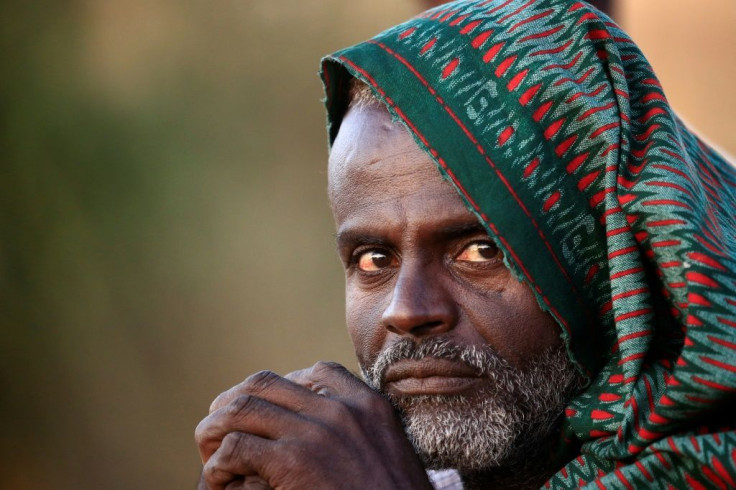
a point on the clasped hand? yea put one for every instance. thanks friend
(320, 427)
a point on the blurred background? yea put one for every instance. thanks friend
(164, 226)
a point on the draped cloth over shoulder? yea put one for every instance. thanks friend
(553, 128)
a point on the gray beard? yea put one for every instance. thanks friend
(508, 424)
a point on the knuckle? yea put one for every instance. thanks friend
(297, 375)
(231, 453)
(241, 406)
(252, 483)
(213, 474)
(201, 431)
(229, 443)
(260, 381)
(321, 367)
(235, 449)
(219, 400)
(254, 383)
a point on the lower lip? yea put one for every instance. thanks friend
(433, 385)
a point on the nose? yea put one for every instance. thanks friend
(421, 304)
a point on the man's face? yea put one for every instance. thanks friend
(437, 320)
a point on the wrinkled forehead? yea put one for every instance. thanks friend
(376, 164)
(364, 132)
(366, 138)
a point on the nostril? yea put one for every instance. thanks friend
(419, 330)
(426, 328)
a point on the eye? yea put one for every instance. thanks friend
(481, 251)
(374, 260)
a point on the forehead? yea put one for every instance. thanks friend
(375, 161)
(367, 139)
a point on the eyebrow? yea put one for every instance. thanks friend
(356, 236)
(461, 230)
(447, 232)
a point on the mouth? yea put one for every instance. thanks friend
(429, 376)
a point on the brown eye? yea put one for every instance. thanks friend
(484, 251)
(374, 260)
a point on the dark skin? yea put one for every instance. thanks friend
(417, 264)
(317, 428)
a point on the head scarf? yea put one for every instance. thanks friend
(553, 128)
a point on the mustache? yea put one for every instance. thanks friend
(483, 359)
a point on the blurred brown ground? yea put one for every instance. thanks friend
(165, 229)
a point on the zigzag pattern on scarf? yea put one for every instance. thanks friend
(554, 129)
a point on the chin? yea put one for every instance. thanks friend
(511, 419)
(465, 433)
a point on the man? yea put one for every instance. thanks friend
(574, 228)
(421, 271)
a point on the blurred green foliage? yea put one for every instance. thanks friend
(165, 229)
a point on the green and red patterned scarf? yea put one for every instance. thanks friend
(552, 126)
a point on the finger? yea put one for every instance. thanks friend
(255, 483)
(237, 484)
(330, 379)
(236, 458)
(268, 385)
(335, 383)
(201, 483)
(246, 413)
(248, 483)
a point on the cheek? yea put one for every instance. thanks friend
(363, 314)
(537, 330)
(542, 331)
(515, 326)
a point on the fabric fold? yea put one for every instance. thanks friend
(555, 131)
